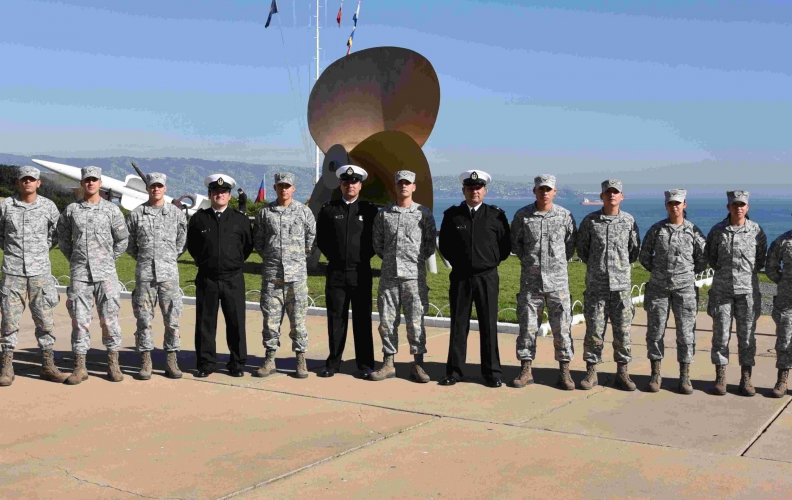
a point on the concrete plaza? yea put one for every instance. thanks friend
(280, 437)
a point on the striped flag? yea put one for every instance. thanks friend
(273, 10)
(338, 17)
(354, 27)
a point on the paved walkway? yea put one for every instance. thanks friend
(280, 437)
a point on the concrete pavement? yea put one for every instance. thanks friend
(280, 437)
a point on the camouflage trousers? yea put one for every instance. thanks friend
(601, 306)
(658, 304)
(413, 299)
(144, 303)
(782, 315)
(279, 298)
(530, 306)
(745, 310)
(80, 301)
(40, 293)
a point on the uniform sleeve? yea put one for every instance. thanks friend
(322, 227)
(132, 226)
(774, 257)
(504, 236)
(52, 226)
(445, 235)
(2, 227)
(517, 235)
(583, 243)
(570, 237)
(181, 232)
(247, 238)
(194, 243)
(378, 237)
(259, 232)
(429, 236)
(65, 234)
(634, 245)
(699, 251)
(310, 230)
(712, 249)
(646, 256)
(119, 232)
(761, 250)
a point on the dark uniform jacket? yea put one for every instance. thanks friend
(474, 246)
(344, 234)
(219, 247)
(242, 201)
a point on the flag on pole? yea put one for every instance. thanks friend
(273, 10)
(262, 194)
(354, 27)
(338, 17)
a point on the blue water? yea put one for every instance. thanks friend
(773, 214)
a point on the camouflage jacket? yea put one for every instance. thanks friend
(404, 238)
(737, 254)
(27, 233)
(608, 246)
(673, 254)
(544, 243)
(157, 236)
(284, 236)
(778, 259)
(92, 236)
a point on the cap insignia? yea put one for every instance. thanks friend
(220, 181)
(474, 176)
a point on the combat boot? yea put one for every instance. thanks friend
(268, 368)
(623, 381)
(564, 378)
(172, 368)
(80, 374)
(780, 389)
(720, 381)
(49, 371)
(526, 377)
(145, 366)
(684, 379)
(590, 381)
(656, 380)
(746, 387)
(7, 369)
(387, 370)
(417, 374)
(113, 370)
(302, 369)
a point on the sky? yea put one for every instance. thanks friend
(651, 91)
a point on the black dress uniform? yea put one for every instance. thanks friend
(220, 245)
(344, 235)
(474, 243)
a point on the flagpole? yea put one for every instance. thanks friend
(317, 166)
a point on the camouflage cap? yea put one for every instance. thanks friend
(284, 178)
(545, 180)
(675, 195)
(94, 172)
(405, 175)
(29, 172)
(612, 183)
(156, 178)
(737, 196)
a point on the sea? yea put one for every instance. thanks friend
(773, 214)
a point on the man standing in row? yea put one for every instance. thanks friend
(219, 240)
(404, 236)
(92, 235)
(779, 269)
(608, 242)
(243, 199)
(284, 235)
(27, 232)
(344, 235)
(543, 237)
(157, 235)
(474, 238)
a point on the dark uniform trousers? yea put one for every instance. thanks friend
(230, 292)
(482, 290)
(341, 289)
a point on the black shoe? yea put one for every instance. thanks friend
(448, 380)
(493, 382)
(236, 372)
(203, 373)
(326, 372)
(363, 373)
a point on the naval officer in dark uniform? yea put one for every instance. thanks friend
(219, 240)
(344, 235)
(474, 238)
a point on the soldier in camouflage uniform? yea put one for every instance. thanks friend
(543, 237)
(27, 230)
(736, 250)
(92, 234)
(674, 252)
(778, 259)
(404, 236)
(157, 236)
(283, 235)
(608, 242)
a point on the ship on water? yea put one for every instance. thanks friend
(588, 202)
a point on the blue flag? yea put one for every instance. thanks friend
(273, 10)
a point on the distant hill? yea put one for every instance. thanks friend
(450, 187)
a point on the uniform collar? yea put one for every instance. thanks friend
(534, 210)
(90, 206)
(412, 208)
(147, 209)
(19, 203)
